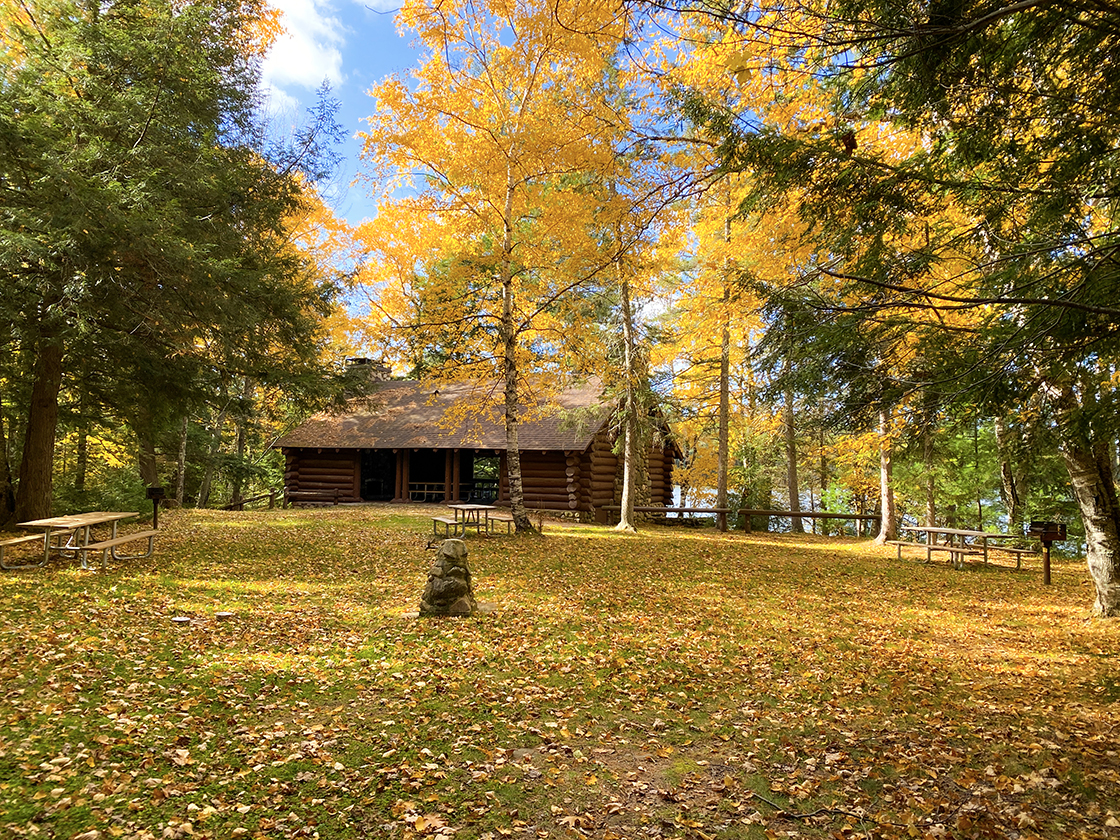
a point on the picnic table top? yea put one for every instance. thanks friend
(960, 532)
(78, 520)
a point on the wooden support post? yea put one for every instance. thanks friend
(448, 477)
(457, 475)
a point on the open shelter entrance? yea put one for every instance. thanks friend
(379, 475)
(427, 475)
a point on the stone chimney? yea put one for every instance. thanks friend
(376, 371)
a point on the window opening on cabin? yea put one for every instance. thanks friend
(485, 478)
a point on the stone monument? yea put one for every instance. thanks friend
(449, 589)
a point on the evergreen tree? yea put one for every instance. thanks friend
(956, 172)
(141, 220)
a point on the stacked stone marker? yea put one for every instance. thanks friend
(449, 589)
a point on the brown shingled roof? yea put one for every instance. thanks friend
(420, 415)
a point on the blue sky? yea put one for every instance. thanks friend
(351, 44)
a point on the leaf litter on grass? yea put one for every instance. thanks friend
(672, 684)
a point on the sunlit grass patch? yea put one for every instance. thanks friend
(661, 682)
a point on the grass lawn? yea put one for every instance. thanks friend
(675, 684)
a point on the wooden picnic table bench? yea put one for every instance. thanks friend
(963, 543)
(956, 553)
(110, 547)
(1017, 552)
(470, 515)
(73, 534)
(900, 544)
(504, 518)
(449, 525)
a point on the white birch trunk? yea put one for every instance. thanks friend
(508, 331)
(796, 523)
(630, 411)
(888, 528)
(1088, 461)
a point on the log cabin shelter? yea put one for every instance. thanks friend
(416, 442)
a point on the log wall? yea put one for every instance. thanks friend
(550, 481)
(602, 467)
(576, 482)
(327, 471)
(661, 475)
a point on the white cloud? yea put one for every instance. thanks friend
(310, 49)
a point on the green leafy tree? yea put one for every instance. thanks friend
(142, 219)
(960, 183)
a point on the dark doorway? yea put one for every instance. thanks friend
(379, 475)
(427, 475)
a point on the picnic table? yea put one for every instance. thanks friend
(470, 515)
(958, 542)
(77, 531)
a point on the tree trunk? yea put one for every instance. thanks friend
(888, 528)
(508, 334)
(724, 407)
(33, 500)
(1089, 463)
(238, 488)
(212, 457)
(81, 463)
(976, 463)
(1090, 472)
(826, 529)
(929, 418)
(630, 411)
(1009, 451)
(146, 454)
(796, 524)
(629, 457)
(7, 494)
(181, 478)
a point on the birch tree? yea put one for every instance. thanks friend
(990, 214)
(505, 135)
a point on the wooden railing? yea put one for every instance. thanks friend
(427, 491)
(240, 503)
(660, 509)
(314, 496)
(747, 513)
